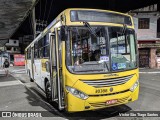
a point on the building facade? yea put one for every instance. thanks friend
(25, 41)
(147, 25)
(12, 47)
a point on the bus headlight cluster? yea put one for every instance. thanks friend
(135, 85)
(77, 93)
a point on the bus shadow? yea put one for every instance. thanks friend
(98, 114)
(86, 115)
(42, 107)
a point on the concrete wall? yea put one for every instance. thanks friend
(146, 34)
(12, 46)
(11, 43)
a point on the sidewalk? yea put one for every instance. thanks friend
(148, 70)
(3, 72)
(16, 96)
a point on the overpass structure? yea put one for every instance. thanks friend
(12, 14)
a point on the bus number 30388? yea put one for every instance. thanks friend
(101, 90)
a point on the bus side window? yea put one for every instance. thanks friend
(59, 48)
(29, 53)
(46, 48)
(40, 46)
(36, 50)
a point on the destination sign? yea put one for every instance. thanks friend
(97, 16)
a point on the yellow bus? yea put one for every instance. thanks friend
(86, 59)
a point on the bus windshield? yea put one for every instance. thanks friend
(100, 49)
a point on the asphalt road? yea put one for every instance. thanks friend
(19, 94)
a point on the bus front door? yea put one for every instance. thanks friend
(55, 70)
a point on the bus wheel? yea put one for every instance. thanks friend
(48, 91)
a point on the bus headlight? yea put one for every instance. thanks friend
(77, 93)
(135, 85)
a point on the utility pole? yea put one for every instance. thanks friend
(37, 25)
(34, 23)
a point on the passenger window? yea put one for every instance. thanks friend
(29, 53)
(36, 50)
(46, 49)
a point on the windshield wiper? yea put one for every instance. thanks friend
(90, 28)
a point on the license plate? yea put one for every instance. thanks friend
(109, 102)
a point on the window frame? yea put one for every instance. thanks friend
(143, 23)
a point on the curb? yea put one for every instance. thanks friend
(36, 95)
(149, 72)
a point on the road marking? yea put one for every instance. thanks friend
(18, 71)
(9, 83)
(20, 82)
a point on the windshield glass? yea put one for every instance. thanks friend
(100, 49)
(122, 49)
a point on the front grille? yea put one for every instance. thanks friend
(108, 82)
(103, 104)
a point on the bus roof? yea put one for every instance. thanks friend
(90, 9)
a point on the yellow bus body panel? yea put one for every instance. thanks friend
(77, 104)
(120, 92)
(97, 100)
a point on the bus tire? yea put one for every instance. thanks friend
(31, 80)
(48, 91)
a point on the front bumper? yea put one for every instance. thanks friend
(75, 104)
